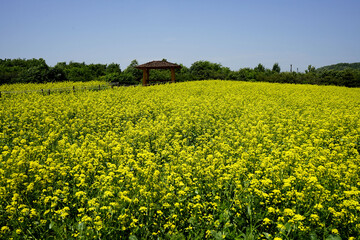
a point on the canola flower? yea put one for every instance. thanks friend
(31, 87)
(195, 160)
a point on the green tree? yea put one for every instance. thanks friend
(127, 78)
(112, 77)
(8, 73)
(97, 70)
(202, 70)
(36, 72)
(78, 72)
(56, 75)
(61, 65)
(259, 68)
(246, 74)
(349, 79)
(136, 73)
(183, 74)
(160, 75)
(113, 68)
(276, 68)
(311, 69)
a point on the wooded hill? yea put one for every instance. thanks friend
(340, 67)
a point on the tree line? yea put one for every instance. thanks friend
(37, 71)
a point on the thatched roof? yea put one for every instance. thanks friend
(158, 65)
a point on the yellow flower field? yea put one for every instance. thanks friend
(33, 87)
(195, 160)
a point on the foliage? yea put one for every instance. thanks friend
(202, 70)
(36, 71)
(136, 73)
(159, 75)
(246, 74)
(348, 77)
(259, 68)
(18, 70)
(311, 69)
(55, 74)
(276, 68)
(112, 77)
(113, 68)
(98, 70)
(126, 78)
(77, 72)
(341, 67)
(195, 160)
(183, 74)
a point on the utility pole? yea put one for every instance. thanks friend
(290, 67)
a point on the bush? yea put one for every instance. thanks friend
(124, 78)
(127, 78)
(112, 77)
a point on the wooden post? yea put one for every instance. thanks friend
(144, 77)
(172, 75)
(73, 88)
(147, 76)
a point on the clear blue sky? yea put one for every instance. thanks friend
(236, 34)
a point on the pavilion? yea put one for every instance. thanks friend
(157, 65)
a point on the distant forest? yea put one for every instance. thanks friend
(37, 71)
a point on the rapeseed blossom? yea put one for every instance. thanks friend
(209, 159)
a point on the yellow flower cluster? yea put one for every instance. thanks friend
(195, 160)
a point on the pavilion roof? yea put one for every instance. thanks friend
(158, 65)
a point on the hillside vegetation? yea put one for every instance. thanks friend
(340, 67)
(194, 160)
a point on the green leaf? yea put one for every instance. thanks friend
(267, 235)
(217, 235)
(333, 237)
(51, 225)
(249, 210)
(191, 220)
(133, 237)
(81, 226)
(288, 227)
(313, 236)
